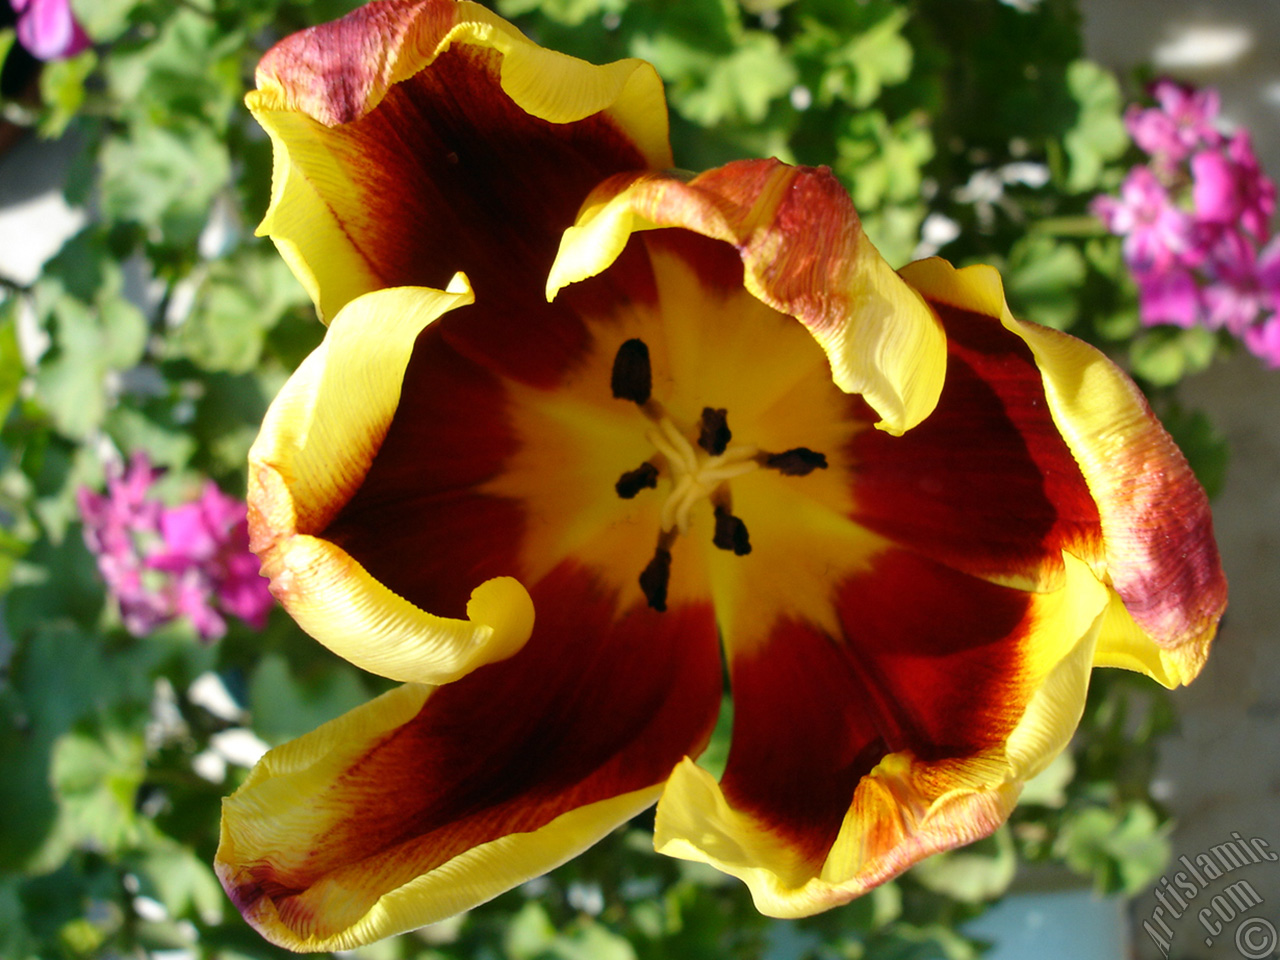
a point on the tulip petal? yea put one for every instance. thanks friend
(986, 484)
(429, 801)
(1160, 555)
(318, 442)
(853, 760)
(413, 139)
(804, 254)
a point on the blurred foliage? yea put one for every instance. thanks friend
(966, 127)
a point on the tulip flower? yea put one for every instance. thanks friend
(579, 424)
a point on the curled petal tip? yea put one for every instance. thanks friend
(803, 253)
(1158, 551)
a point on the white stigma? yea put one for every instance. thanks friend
(695, 474)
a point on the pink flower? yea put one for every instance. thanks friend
(1245, 287)
(48, 29)
(210, 539)
(114, 526)
(1257, 191)
(1156, 233)
(161, 563)
(1264, 341)
(1193, 220)
(1168, 296)
(1183, 123)
(1230, 190)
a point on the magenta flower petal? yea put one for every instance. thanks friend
(160, 563)
(1170, 296)
(1157, 234)
(1181, 124)
(1214, 188)
(48, 29)
(1263, 340)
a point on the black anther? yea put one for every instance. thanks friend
(632, 376)
(713, 431)
(643, 477)
(655, 577)
(731, 533)
(798, 462)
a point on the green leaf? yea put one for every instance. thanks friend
(7, 38)
(735, 88)
(71, 390)
(96, 780)
(858, 66)
(530, 933)
(589, 940)
(62, 91)
(710, 27)
(168, 444)
(1118, 325)
(571, 13)
(183, 882)
(979, 872)
(185, 76)
(104, 20)
(11, 368)
(715, 757)
(163, 179)
(25, 796)
(1124, 850)
(12, 548)
(80, 938)
(64, 683)
(1043, 280)
(61, 468)
(84, 268)
(16, 941)
(89, 343)
(285, 706)
(1207, 450)
(240, 301)
(1164, 355)
(1098, 135)
(230, 412)
(895, 231)
(1048, 788)
(882, 162)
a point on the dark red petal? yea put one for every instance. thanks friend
(452, 175)
(418, 523)
(593, 706)
(986, 483)
(930, 663)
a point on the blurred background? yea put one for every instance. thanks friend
(143, 330)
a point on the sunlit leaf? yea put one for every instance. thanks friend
(1042, 280)
(1123, 850)
(978, 872)
(284, 705)
(1098, 135)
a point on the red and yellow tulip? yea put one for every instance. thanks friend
(579, 424)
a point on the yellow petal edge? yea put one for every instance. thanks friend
(280, 812)
(1113, 437)
(880, 337)
(549, 85)
(905, 809)
(317, 442)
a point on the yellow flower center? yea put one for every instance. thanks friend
(697, 472)
(698, 452)
(695, 476)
